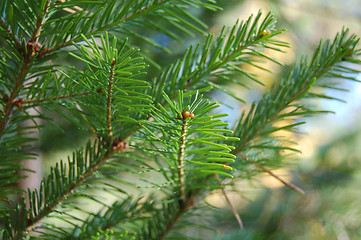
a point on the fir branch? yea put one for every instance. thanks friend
(188, 150)
(28, 60)
(203, 64)
(76, 39)
(116, 66)
(57, 199)
(213, 60)
(192, 134)
(293, 88)
(124, 104)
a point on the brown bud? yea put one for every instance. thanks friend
(37, 47)
(265, 33)
(100, 90)
(33, 47)
(19, 104)
(186, 114)
(118, 145)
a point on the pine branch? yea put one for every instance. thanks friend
(278, 102)
(102, 29)
(188, 147)
(114, 66)
(28, 61)
(130, 11)
(203, 65)
(50, 205)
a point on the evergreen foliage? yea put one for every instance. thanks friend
(162, 128)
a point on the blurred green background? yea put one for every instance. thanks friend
(329, 169)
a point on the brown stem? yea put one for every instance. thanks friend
(109, 101)
(234, 210)
(181, 161)
(288, 184)
(8, 109)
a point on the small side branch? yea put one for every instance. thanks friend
(234, 210)
(109, 101)
(8, 109)
(55, 98)
(288, 184)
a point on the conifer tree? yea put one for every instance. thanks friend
(155, 123)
